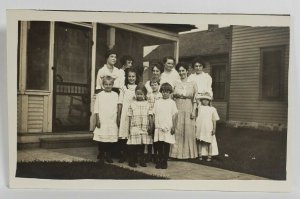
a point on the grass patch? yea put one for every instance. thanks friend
(256, 152)
(77, 170)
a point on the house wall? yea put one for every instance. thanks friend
(245, 105)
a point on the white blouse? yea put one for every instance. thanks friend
(170, 77)
(116, 74)
(203, 81)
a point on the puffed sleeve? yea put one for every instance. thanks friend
(98, 80)
(177, 76)
(209, 85)
(195, 92)
(96, 105)
(215, 115)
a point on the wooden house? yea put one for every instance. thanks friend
(57, 67)
(259, 62)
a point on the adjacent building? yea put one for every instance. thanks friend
(249, 68)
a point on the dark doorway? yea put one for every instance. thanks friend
(72, 73)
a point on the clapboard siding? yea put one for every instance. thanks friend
(35, 113)
(245, 104)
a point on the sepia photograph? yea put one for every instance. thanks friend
(154, 97)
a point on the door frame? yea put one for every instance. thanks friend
(93, 27)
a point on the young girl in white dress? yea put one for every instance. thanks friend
(165, 116)
(105, 109)
(127, 95)
(206, 127)
(140, 125)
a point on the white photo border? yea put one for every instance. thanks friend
(13, 16)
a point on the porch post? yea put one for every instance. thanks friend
(22, 77)
(111, 37)
(176, 50)
(51, 65)
(93, 74)
(23, 57)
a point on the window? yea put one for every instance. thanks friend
(219, 81)
(271, 67)
(38, 37)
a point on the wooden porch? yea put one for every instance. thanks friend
(70, 139)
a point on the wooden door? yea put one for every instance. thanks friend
(72, 77)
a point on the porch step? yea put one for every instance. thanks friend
(67, 142)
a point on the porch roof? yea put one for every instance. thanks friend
(171, 27)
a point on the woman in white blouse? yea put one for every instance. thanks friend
(109, 69)
(203, 80)
(170, 75)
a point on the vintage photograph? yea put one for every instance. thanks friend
(150, 101)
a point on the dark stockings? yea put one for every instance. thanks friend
(163, 155)
(105, 149)
(133, 152)
(123, 150)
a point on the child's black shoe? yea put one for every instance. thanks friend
(158, 163)
(154, 159)
(164, 164)
(108, 158)
(142, 162)
(158, 166)
(122, 159)
(132, 164)
(148, 158)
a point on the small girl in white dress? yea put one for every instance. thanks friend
(206, 127)
(106, 131)
(126, 97)
(165, 117)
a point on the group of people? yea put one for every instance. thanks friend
(168, 116)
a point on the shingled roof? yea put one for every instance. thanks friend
(202, 43)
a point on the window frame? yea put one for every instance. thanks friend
(23, 40)
(282, 49)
